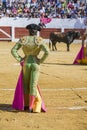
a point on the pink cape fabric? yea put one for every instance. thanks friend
(18, 101)
(46, 20)
(80, 55)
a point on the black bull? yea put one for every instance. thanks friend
(66, 37)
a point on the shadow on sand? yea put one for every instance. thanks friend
(8, 108)
(64, 64)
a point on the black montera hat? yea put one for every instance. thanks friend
(33, 27)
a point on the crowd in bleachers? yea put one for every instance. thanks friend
(43, 8)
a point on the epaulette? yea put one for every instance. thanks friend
(38, 40)
(23, 40)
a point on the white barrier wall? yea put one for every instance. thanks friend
(55, 23)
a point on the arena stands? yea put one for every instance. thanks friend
(16, 14)
(43, 8)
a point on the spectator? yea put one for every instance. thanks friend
(45, 8)
(41, 24)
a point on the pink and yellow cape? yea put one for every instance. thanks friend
(81, 57)
(18, 101)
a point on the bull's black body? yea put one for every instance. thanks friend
(66, 37)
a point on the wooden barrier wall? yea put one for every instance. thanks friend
(5, 32)
(45, 32)
(19, 32)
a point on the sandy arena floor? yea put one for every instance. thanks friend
(63, 85)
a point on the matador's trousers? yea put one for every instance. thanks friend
(31, 70)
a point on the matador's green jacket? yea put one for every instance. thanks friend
(35, 51)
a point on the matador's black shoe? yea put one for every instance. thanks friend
(26, 108)
(30, 110)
